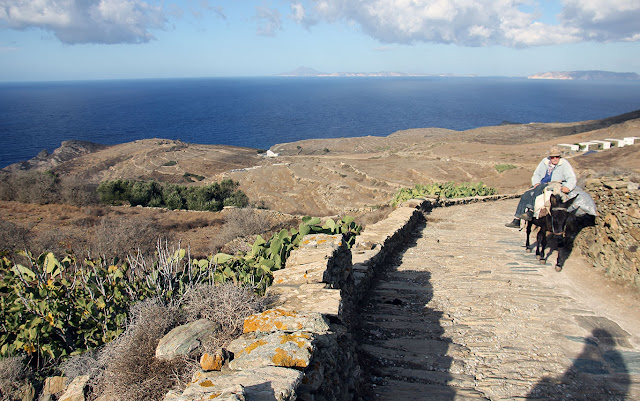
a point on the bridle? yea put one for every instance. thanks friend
(561, 209)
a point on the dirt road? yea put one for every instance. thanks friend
(466, 314)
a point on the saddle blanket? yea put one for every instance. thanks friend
(583, 204)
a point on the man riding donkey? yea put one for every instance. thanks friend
(551, 169)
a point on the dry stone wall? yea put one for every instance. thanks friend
(612, 244)
(303, 347)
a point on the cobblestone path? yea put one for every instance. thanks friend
(465, 314)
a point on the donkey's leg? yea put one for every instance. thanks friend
(563, 252)
(542, 242)
(528, 243)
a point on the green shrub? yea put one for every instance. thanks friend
(193, 177)
(114, 191)
(254, 268)
(51, 309)
(172, 196)
(504, 167)
(444, 190)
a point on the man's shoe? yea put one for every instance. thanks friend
(514, 224)
(527, 216)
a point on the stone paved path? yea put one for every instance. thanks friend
(466, 314)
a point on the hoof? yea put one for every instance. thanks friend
(558, 268)
(543, 261)
(529, 250)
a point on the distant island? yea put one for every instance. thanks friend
(310, 72)
(587, 75)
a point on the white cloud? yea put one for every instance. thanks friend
(513, 23)
(269, 19)
(300, 15)
(86, 21)
(298, 12)
(611, 20)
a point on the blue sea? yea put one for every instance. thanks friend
(261, 112)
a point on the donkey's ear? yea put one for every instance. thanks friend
(570, 201)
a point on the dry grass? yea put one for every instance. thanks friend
(226, 304)
(12, 375)
(42, 188)
(242, 223)
(127, 369)
(86, 364)
(131, 370)
(12, 236)
(120, 236)
(374, 216)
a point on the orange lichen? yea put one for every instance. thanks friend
(211, 362)
(266, 321)
(207, 383)
(214, 395)
(253, 346)
(298, 339)
(283, 359)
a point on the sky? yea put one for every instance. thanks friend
(50, 40)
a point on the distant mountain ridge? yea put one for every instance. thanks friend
(310, 72)
(587, 75)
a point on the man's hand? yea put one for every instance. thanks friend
(565, 190)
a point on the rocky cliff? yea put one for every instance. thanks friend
(68, 150)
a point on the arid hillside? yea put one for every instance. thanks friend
(319, 177)
(335, 176)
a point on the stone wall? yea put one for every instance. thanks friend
(303, 346)
(612, 244)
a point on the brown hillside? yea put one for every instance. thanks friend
(335, 176)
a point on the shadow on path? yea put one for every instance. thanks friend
(402, 347)
(564, 246)
(598, 373)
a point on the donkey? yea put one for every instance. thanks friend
(555, 221)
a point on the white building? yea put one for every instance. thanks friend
(618, 142)
(569, 146)
(586, 146)
(605, 144)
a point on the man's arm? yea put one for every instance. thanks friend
(538, 174)
(569, 180)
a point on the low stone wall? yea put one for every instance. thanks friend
(612, 244)
(303, 347)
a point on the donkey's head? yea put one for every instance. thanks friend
(559, 214)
